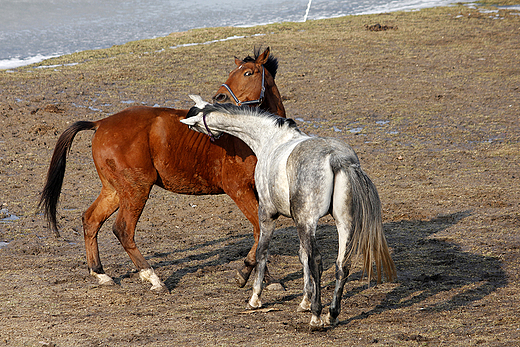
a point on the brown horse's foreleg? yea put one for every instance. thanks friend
(106, 203)
(246, 200)
(124, 229)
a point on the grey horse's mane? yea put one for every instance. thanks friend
(246, 110)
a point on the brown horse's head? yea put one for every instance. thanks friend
(252, 83)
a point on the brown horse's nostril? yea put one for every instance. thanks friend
(220, 97)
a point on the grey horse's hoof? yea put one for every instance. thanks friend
(160, 290)
(329, 321)
(301, 309)
(275, 286)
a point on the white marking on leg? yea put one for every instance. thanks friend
(329, 321)
(305, 305)
(103, 279)
(150, 276)
(307, 11)
(255, 301)
(316, 321)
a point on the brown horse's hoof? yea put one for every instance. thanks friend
(240, 279)
(103, 279)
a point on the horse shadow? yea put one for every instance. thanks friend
(429, 266)
(235, 248)
(426, 264)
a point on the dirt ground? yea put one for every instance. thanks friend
(430, 101)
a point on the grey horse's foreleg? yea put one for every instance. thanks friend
(267, 224)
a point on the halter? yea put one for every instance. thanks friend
(257, 101)
(210, 134)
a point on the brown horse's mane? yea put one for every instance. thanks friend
(271, 64)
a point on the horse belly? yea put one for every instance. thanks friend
(188, 182)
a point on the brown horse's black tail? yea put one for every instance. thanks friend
(51, 192)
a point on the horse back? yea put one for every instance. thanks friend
(126, 138)
(152, 146)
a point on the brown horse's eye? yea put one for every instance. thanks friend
(248, 73)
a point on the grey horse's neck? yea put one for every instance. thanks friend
(260, 133)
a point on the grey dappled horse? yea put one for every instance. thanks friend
(304, 178)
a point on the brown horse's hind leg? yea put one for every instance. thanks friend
(106, 204)
(124, 228)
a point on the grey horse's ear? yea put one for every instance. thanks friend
(198, 101)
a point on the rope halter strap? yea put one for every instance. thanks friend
(212, 137)
(251, 102)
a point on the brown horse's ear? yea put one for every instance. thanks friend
(262, 58)
(238, 61)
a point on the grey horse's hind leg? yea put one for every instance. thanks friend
(342, 213)
(342, 271)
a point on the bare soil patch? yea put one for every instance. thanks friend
(431, 107)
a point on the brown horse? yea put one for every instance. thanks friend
(144, 146)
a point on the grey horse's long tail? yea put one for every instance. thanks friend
(367, 235)
(52, 189)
